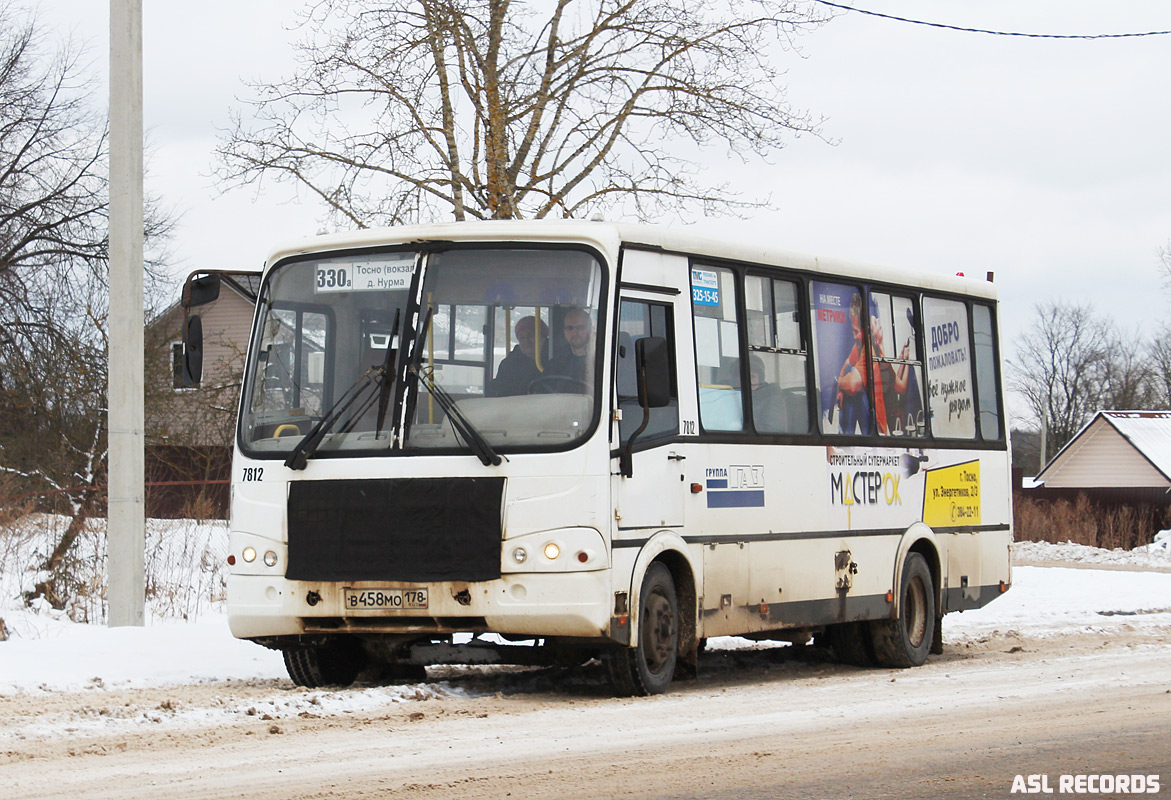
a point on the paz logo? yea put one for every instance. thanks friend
(735, 486)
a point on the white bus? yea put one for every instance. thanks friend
(608, 441)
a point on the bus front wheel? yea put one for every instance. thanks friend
(906, 640)
(335, 663)
(648, 667)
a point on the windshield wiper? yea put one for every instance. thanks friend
(308, 446)
(377, 375)
(384, 386)
(462, 425)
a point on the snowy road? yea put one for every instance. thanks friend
(1070, 673)
(755, 725)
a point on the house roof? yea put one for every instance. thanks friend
(1115, 449)
(246, 284)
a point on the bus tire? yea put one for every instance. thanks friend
(649, 666)
(852, 643)
(906, 640)
(335, 663)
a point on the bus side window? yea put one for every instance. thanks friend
(843, 393)
(986, 389)
(717, 348)
(894, 364)
(636, 320)
(949, 369)
(777, 356)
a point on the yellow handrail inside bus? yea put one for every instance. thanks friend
(430, 360)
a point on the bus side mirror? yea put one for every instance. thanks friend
(200, 291)
(192, 366)
(653, 362)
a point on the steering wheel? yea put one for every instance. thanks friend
(559, 384)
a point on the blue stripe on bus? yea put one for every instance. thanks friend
(717, 483)
(751, 498)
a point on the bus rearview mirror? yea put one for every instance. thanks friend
(192, 352)
(201, 291)
(653, 360)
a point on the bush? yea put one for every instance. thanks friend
(185, 568)
(1084, 522)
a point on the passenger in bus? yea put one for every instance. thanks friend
(768, 407)
(520, 367)
(852, 399)
(575, 362)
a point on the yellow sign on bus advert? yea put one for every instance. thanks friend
(952, 495)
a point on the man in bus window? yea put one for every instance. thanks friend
(768, 408)
(520, 367)
(574, 363)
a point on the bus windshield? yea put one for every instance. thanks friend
(505, 355)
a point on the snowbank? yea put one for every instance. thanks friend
(46, 651)
(1156, 554)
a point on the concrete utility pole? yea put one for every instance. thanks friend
(126, 517)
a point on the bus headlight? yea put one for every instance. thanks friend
(558, 550)
(249, 554)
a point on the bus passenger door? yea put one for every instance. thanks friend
(652, 495)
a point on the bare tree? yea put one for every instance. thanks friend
(1165, 263)
(1159, 347)
(1062, 369)
(52, 184)
(52, 258)
(1131, 371)
(411, 109)
(53, 270)
(51, 382)
(1159, 363)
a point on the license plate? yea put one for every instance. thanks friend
(385, 599)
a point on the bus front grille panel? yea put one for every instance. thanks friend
(396, 529)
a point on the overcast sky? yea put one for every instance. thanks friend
(1045, 161)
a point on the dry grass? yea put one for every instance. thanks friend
(1083, 522)
(185, 568)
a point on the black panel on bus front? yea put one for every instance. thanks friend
(399, 529)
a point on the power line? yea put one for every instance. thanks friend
(994, 33)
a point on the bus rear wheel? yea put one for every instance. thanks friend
(335, 663)
(852, 643)
(906, 640)
(649, 666)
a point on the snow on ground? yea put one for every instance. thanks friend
(209, 678)
(62, 655)
(1049, 601)
(47, 652)
(1155, 554)
(187, 639)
